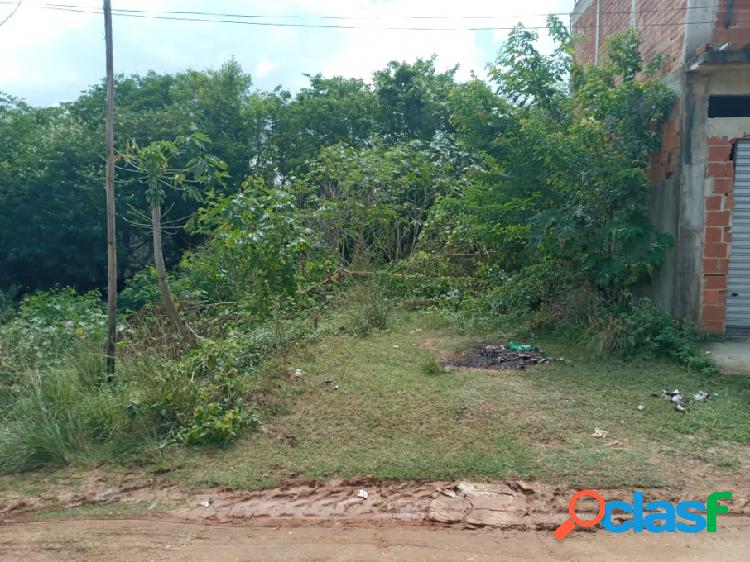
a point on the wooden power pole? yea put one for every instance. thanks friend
(110, 187)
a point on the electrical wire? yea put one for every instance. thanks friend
(50, 5)
(13, 12)
(220, 17)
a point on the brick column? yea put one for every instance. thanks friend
(718, 234)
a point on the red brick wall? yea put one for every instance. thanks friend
(586, 25)
(738, 33)
(660, 23)
(717, 233)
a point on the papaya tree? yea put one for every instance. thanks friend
(182, 165)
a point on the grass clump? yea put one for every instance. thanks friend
(371, 308)
(431, 367)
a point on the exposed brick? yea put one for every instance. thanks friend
(717, 218)
(714, 314)
(714, 297)
(719, 141)
(715, 266)
(723, 185)
(719, 153)
(714, 282)
(713, 202)
(729, 202)
(715, 250)
(719, 170)
(714, 234)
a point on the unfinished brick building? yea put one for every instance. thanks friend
(701, 176)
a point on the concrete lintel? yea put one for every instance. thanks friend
(718, 58)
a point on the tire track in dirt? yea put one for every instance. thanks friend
(513, 504)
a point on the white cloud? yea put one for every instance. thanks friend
(49, 56)
(263, 68)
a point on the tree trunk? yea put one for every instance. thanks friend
(188, 337)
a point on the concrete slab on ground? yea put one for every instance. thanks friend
(732, 357)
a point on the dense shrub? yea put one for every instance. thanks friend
(258, 249)
(639, 329)
(46, 327)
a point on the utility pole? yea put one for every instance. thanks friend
(110, 188)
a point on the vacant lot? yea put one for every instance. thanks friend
(387, 411)
(380, 406)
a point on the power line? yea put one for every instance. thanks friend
(151, 15)
(363, 18)
(350, 17)
(219, 17)
(13, 12)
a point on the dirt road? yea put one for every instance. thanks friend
(129, 540)
(337, 520)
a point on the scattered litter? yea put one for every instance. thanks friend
(336, 387)
(641, 408)
(598, 432)
(362, 494)
(679, 402)
(328, 381)
(395, 346)
(207, 503)
(708, 353)
(298, 373)
(518, 346)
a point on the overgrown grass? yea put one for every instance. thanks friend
(376, 404)
(391, 418)
(66, 412)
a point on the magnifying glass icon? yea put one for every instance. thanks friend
(569, 524)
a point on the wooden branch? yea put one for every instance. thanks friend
(335, 276)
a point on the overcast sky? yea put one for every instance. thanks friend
(48, 56)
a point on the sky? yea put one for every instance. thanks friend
(49, 56)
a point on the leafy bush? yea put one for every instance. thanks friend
(428, 279)
(532, 287)
(639, 329)
(212, 424)
(47, 327)
(258, 249)
(140, 290)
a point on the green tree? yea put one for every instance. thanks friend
(413, 99)
(563, 175)
(327, 112)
